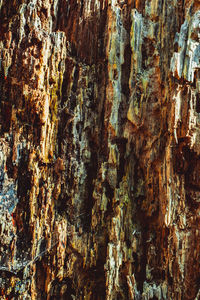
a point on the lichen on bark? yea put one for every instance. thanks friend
(99, 149)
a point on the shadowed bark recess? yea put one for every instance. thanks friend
(99, 149)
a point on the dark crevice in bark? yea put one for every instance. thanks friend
(121, 144)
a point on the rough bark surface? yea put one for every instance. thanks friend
(99, 149)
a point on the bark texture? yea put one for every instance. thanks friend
(99, 149)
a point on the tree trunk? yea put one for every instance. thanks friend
(99, 149)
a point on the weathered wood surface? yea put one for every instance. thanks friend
(99, 149)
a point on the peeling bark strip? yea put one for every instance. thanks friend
(99, 149)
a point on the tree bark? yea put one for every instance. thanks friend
(100, 156)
